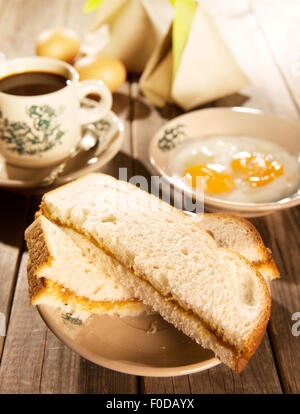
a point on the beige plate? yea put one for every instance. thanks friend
(126, 344)
(226, 121)
(110, 131)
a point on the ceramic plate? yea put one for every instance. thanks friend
(144, 345)
(225, 121)
(110, 132)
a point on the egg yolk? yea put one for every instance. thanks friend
(259, 170)
(214, 181)
(255, 170)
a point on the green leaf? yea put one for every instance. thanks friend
(92, 5)
(184, 14)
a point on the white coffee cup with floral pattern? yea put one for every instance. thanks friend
(42, 130)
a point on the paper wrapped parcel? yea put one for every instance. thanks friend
(192, 65)
(135, 26)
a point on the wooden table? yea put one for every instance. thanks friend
(264, 36)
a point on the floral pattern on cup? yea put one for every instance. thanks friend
(41, 134)
(171, 137)
(68, 317)
(102, 126)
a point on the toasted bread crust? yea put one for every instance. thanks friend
(36, 285)
(246, 224)
(257, 334)
(268, 268)
(266, 264)
(39, 256)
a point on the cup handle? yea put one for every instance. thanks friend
(93, 111)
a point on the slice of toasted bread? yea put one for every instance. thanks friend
(65, 270)
(214, 295)
(43, 291)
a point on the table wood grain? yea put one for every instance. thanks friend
(264, 38)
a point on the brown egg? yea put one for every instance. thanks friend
(106, 68)
(58, 43)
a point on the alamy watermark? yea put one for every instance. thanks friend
(2, 324)
(296, 325)
(181, 198)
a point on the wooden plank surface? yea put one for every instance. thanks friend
(281, 232)
(21, 23)
(242, 30)
(33, 360)
(268, 92)
(12, 205)
(23, 354)
(11, 240)
(259, 376)
(280, 21)
(45, 365)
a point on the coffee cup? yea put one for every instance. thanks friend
(43, 107)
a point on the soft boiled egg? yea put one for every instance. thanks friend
(237, 168)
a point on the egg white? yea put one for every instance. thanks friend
(221, 149)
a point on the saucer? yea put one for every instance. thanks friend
(110, 136)
(142, 345)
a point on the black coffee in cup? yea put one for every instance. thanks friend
(32, 83)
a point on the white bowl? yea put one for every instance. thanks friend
(226, 121)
